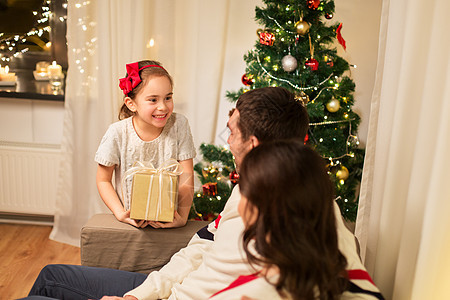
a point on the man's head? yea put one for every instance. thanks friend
(264, 115)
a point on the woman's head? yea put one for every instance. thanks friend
(137, 78)
(287, 179)
(289, 216)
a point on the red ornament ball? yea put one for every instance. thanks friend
(313, 4)
(312, 64)
(234, 177)
(247, 79)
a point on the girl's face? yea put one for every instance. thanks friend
(154, 104)
(247, 211)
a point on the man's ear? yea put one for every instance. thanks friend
(130, 104)
(254, 141)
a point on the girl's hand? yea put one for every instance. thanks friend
(125, 218)
(178, 221)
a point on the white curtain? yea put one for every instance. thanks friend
(403, 222)
(195, 40)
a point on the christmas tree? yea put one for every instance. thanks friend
(296, 49)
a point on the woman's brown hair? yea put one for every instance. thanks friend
(287, 186)
(145, 75)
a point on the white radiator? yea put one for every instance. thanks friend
(28, 178)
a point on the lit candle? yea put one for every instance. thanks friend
(54, 70)
(41, 67)
(7, 76)
(40, 75)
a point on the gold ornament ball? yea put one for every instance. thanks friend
(302, 27)
(333, 105)
(342, 173)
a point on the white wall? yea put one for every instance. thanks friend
(31, 121)
(30, 139)
(360, 28)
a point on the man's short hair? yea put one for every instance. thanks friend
(271, 113)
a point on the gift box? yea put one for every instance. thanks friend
(154, 192)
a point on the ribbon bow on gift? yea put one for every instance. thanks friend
(170, 167)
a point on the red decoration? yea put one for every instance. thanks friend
(234, 177)
(312, 64)
(133, 78)
(306, 139)
(266, 38)
(339, 36)
(328, 61)
(247, 79)
(313, 4)
(210, 189)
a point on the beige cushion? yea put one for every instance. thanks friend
(108, 243)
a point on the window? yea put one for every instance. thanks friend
(32, 31)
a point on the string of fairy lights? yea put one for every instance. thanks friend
(13, 45)
(287, 81)
(278, 24)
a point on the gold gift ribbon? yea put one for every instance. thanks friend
(170, 167)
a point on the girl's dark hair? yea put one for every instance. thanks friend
(145, 75)
(287, 186)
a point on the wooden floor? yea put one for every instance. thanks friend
(24, 251)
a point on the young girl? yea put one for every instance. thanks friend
(290, 231)
(148, 131)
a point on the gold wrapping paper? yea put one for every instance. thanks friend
(154, 197)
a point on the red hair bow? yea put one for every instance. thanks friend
(128, 83)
